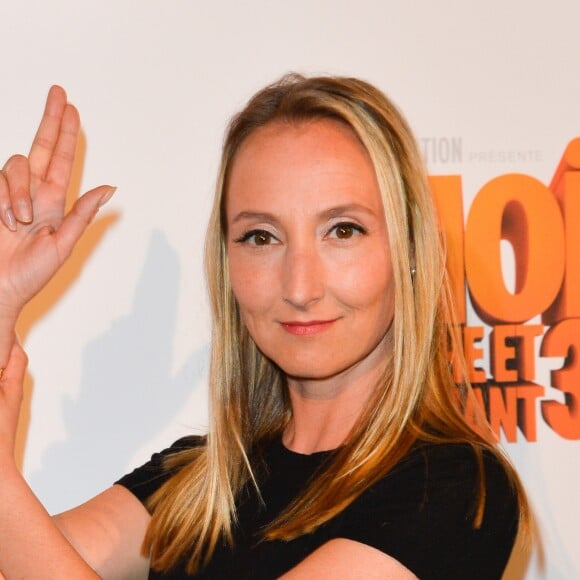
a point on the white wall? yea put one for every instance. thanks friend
(118, 343)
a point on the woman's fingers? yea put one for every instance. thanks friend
(47, 135)
(79, 217)
(6, 213)
(63, 155)
(23, 180)
(15, 197)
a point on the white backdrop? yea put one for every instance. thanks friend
(118, 343)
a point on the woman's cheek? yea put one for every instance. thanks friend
(254, 284)
(361, 279)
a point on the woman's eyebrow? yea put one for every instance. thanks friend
(255, 215)
(345, 209)
(324, 214)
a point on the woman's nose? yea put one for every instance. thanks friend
(304, 275)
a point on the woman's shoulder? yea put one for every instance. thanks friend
(424, 512)
(451, 476)
(457, 460)
(146, 479)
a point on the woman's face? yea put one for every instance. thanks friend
(308, 249)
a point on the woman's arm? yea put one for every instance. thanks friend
(108, 533)
(101, 538)
(349, 560)
(31, 546)
(36, 237)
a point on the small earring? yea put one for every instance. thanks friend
(413, 270)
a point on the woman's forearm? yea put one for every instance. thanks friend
(31, 546)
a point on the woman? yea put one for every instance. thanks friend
(337, 445)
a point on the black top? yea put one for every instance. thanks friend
(421, 514)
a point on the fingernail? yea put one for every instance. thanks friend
(107, 196)
(10, 219)
(24, 211)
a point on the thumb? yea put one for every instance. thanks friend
(80, 216)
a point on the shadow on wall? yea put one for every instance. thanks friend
(110, 419)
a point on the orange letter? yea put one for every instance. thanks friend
(521, 210)
(446, 191)
(512, 352)
(475, 412)
(527, 395)
(566, 187)
(471, 335)
(503, 411)
(501, 353)
(563, 340)
(526, 360)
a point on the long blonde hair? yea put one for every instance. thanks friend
(416, 398)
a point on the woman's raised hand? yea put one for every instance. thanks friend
(36, 236)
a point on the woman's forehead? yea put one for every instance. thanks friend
(299, 130)
(316, 158)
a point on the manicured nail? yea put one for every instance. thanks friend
(10, 220)
(24, 211)
(107, 196)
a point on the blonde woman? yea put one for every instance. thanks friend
(337, 445)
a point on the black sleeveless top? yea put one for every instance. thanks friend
(421, 514)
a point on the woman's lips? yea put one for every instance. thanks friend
(308, 328)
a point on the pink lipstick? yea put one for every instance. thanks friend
(309, 328)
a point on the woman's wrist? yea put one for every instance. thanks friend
(8, 316)
(7, 328)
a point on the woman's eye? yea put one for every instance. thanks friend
(345, 231)
(257, 238)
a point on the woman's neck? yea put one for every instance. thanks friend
(324, 411)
